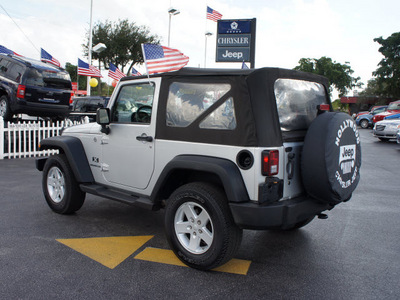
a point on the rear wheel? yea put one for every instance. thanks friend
(5, 110)
(59, 185)
(200, 227)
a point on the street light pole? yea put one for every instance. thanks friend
(172, 12)
(207, 34)
(90, 47)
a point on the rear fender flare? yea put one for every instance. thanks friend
(224, 169)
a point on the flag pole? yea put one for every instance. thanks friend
(145, 62)
(90, 48)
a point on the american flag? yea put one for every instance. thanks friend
(115, 73)
(46, 57)
(85, 69)
(4, 50)
(160, 59)
(135, 72)
(213, 14)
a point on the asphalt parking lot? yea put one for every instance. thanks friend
(105, 250)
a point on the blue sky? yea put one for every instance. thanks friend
(287, 30)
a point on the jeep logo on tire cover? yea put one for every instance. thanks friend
(347, 154)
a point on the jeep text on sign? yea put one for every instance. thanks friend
(233, 54)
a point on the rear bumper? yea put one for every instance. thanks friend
(283, 214)
(40, 109)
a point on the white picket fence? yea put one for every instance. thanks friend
(21, 139)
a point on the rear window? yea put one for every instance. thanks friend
(49, 79)
(297, 102)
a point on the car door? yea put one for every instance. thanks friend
(128, 150)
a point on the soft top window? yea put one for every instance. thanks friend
(188, 101)
(297, 102)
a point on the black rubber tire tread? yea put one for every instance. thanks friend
(227, 235)
(8, 115)
(73, 197)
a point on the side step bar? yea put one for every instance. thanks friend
(102, 191)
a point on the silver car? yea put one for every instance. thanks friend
(398, 137)
(386, 129)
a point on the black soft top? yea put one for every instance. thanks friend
(273, 72)
(254, 100)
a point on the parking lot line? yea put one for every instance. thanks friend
(109, 251)
(235, 266)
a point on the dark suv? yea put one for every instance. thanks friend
(34, 88)
(86, 107)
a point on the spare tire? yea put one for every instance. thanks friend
(331, 158)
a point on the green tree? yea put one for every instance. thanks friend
(388, 73)
(73, 73)
(123, 40)
(339, 75)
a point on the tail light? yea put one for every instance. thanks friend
(270, 162)
(21, 91)
(71, 98)
(323, 107)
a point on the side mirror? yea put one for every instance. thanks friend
(103, 118)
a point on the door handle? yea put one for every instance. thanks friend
(144, 138)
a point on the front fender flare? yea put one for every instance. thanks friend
(73, 149)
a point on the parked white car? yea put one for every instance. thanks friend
(387, 129)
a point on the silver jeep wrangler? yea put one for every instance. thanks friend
(220, 150)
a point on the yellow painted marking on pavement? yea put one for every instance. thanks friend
(235, 266)
(109, 251)
(160, 256)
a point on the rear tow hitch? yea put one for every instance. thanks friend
(322, 216)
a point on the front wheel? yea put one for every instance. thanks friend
(199, 226)
(60, 188)
(364, 124)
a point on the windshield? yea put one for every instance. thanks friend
(48, 78)
(394, 105)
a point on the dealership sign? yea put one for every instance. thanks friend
(236, 41)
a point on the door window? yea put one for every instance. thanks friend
(133, 104)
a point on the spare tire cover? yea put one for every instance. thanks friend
(331, 158)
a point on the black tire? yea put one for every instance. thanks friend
(364, 124)
(331, 158)
(60, 187)
(201, 210)
(5, 110)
